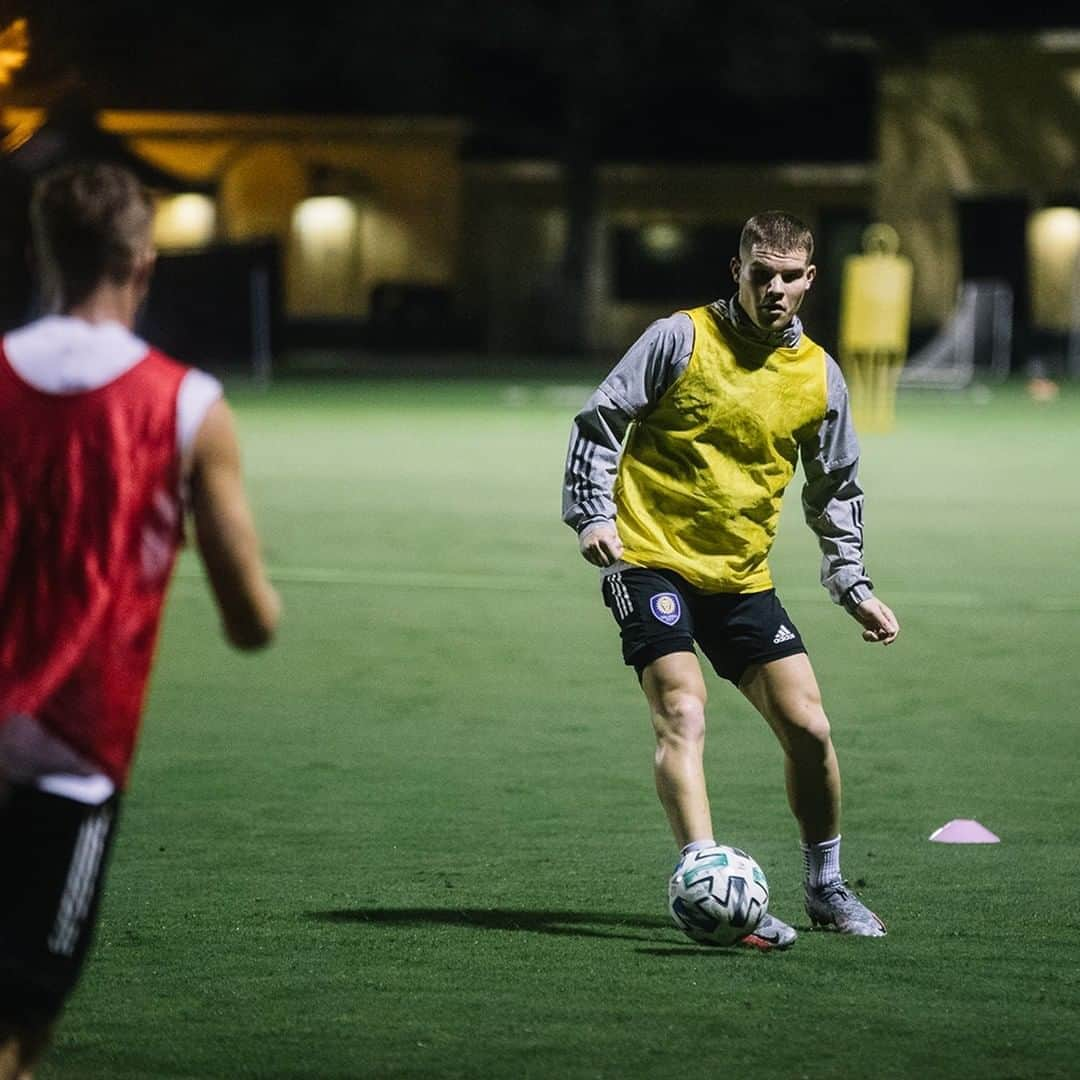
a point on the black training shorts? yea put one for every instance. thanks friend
(53, 852)
(659, 612)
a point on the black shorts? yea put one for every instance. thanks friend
(659, 612)
(53, 852)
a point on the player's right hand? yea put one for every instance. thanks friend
(600, 543)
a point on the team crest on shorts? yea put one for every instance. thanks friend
(666, 607)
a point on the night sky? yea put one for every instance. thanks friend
(644, 78)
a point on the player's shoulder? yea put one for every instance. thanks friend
(676, 322)
(193, 379)
(834, 373)
(159, 358)
(674, 331)
(820, 355)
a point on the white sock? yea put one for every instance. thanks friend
(696, 845)
(822, 862)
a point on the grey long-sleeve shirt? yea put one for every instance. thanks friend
(832, 498)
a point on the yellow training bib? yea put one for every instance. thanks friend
(701, 477)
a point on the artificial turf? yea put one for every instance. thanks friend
(418, 837)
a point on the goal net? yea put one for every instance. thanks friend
(975, 341)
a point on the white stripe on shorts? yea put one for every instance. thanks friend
(81, 879)
(621, 595)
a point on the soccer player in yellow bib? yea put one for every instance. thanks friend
(674, 476)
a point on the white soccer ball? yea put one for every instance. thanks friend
(718, 895)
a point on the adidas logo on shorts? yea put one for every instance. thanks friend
(782, 635)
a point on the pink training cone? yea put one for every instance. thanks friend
(964, 831)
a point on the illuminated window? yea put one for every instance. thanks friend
(184, 221)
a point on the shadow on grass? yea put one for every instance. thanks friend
(639, 928)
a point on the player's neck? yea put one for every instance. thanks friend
(108, 303)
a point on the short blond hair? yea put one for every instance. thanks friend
(777, 230)
(89, 222)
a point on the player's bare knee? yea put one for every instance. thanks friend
(679, 715)
(806, 730)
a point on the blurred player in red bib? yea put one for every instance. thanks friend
(107, 445)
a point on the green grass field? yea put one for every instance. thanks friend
(419, 838)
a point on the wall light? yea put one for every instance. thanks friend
(324, 262)
(663, 240)
(325, 219)
(1054, 260)
(184, 221)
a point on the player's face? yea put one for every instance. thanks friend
(772, 285)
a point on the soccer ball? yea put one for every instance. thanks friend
(718, 895)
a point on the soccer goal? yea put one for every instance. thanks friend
(217, 308)
(976, 341)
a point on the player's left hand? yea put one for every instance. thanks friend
(878, 622)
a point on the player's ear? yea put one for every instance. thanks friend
(811, 273)
(144, 269)
(736, 266)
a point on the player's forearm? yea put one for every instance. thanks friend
(249, 604)
(591, 464)
(833, 507)
(833, 499)
(229, 547)
(252, 622)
